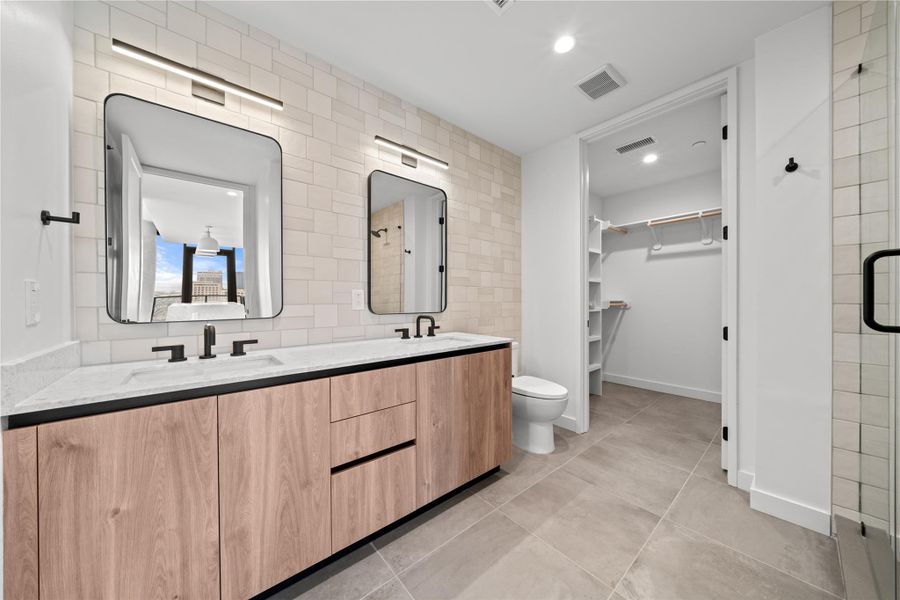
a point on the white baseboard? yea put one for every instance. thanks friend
(791, 511)
(666, 388)
(567, 422)
(745, 480)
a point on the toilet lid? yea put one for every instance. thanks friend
(534, 387)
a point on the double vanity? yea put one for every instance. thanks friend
(222, 478)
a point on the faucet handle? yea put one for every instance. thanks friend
(237, 346)
(176, 350)
(404, 331)
(431, 329)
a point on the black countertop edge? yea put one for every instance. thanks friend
(96, 408)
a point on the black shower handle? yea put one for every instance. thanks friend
(869, 291)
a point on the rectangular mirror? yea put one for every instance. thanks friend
(407, 246)
(193, 217)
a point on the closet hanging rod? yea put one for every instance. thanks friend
(693, 215)
(604, 225)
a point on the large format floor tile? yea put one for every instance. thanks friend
(696, 419)
(641, 481)
(406, 544)
(599, 531)
(515, 475)
(721, 512)
(668, 448)
(618, 407)
(678, 564)
(392, 590)
(349, 578)
(710, 466)
(497, 560)
(570, 444)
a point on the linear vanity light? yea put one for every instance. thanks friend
(194, 74)
(407, 151)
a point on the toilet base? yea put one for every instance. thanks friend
(536, 438)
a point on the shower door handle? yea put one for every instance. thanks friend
(869, 290)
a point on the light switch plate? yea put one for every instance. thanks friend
(358, 300)
(32, 302)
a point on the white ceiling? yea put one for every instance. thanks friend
(173, 140)
(388, 189)
(182, 209)
(675, 132)
(498, 77)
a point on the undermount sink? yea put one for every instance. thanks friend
(198, 370)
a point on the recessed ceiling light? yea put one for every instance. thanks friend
(650, 158)
(564, 44)
(232, 193)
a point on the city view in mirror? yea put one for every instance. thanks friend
(193, 217)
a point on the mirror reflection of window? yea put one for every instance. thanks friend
(407, 246)
(193, 217)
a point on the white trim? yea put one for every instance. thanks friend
(791, 511)
(567, 422)
(666, 388)
(724, 82)
(745, 480)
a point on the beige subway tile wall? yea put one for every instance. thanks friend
(327, 132)
(861, 226)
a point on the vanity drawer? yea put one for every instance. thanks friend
(370, 496)
(361, 393)
(367, 434)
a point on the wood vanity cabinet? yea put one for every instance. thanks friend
(225, 497)
(20, 520)
(274, 478)
(128, 504)
(464, 420)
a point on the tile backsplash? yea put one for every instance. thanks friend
(327, 132)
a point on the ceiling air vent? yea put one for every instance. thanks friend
(636, 144)
(601, 82)
(500, 6)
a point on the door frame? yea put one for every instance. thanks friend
(721, 83)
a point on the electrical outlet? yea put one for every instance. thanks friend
(32, 302)
(358, 300)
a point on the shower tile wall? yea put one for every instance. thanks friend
(327, 132)
(862, 224)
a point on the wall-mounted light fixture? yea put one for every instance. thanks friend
(406, 151)
(201, 77)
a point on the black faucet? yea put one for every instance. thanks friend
(209, 340)
(431, 327)
(177, 352)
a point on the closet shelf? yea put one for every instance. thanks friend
(594, 251)
(594, 367)
(594, 338)
(595, 280)
(693, 215)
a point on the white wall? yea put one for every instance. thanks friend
(35, 110)
(552, 274)
(670, 338)
(793, 411)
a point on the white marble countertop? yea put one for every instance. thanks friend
(106, 383)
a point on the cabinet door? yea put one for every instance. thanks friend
(275, 472)
(128, 504)
(489, 404)
(20, 521)
(441, 427)
(463, 418)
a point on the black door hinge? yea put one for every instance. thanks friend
(725, 333)
(441, 269)
(725, 232)
(725, 433)
(440, 220)
(725, 132)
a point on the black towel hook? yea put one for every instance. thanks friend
(791, 166)
(47, 218)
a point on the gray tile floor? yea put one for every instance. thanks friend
(635, 509)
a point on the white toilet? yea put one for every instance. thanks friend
(536, 403)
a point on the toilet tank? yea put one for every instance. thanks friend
(515, 359)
